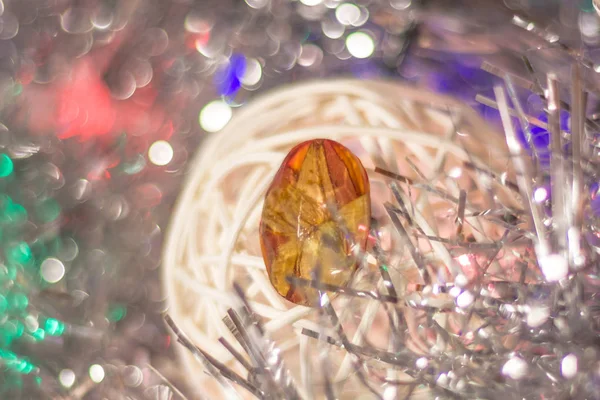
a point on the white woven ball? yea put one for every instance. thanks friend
(213, 236)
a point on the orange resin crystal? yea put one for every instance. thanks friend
(316, 215)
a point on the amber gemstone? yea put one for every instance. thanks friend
(315, 219)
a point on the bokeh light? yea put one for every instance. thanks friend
(569, 366)
(160, 153)
(455, 172)
(96, 373)
(400, 4)
(52, 270)
(66, 378)
(311, 55)
(215, 115)
(332, 28)
(253, 73)
(54, 327)
(132, 376)
(347, 13)
(6, 166)
(555, 267)
(229, 78)
(360, 44)
(540, 195)
(311, 2)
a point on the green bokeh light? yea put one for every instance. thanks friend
(39, 334)
(116, 313)
(54, 327)
(11, 212)
(14, 363)
(47, 210)
(4, 273)
(587, 6)
(12, 272)
(9, 331)
(18, 253)
(6, 166)
(17, 89)
(17, 301)
(23, 366)
(135, 165)
(19, 328)
(3, 305)
(15, 213)
(4, 201)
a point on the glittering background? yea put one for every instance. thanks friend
(104, 102)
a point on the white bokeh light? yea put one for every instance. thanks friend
(400, 4)
(160, 153)
(554, 267)
(455, 172)
(464, 260)
(332, 28)
(66, 378)
(253, 72)
(52, 270)
(96, 373)
(310, 55)
(215, 115)
(360, 44)
(465, 299)
(461, 280)
(422, 363)
(540, 195)
(568, 366)
(537, 316)
(515, 368)
(311, 2)
(347, 13)
(390, 393)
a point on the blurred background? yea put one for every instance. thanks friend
(104, 102)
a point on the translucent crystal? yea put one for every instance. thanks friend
(316, 217)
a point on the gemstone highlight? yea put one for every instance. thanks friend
(316, 218)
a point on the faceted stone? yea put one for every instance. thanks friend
(316, 218)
